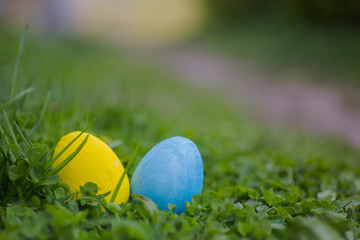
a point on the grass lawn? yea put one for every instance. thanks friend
(258, 184)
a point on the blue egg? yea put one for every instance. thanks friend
(171, 172)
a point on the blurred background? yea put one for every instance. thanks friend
(290, 63)
(133, 24)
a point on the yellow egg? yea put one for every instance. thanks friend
(95, 162)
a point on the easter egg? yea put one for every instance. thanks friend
(171, 172)
(95, 162)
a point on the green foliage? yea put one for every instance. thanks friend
(311, 11)
(323, 53)
(258, 184)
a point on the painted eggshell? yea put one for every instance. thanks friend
(171, 172)
(95, 162)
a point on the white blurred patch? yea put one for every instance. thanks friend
(117, 164)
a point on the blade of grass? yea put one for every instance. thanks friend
(67, 146)
(17, 64)
(19, 96)
(8, 125)
(21, 134)
(124, 173)
(37, 124)
(68, 159)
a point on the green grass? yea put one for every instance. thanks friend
(259, 184)
(324, 52)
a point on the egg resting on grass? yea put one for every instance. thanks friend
(95, 162)
(171, 172)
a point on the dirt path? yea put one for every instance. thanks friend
(286, 102)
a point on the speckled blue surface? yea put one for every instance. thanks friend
(171, 172)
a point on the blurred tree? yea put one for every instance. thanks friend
(324, 11)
